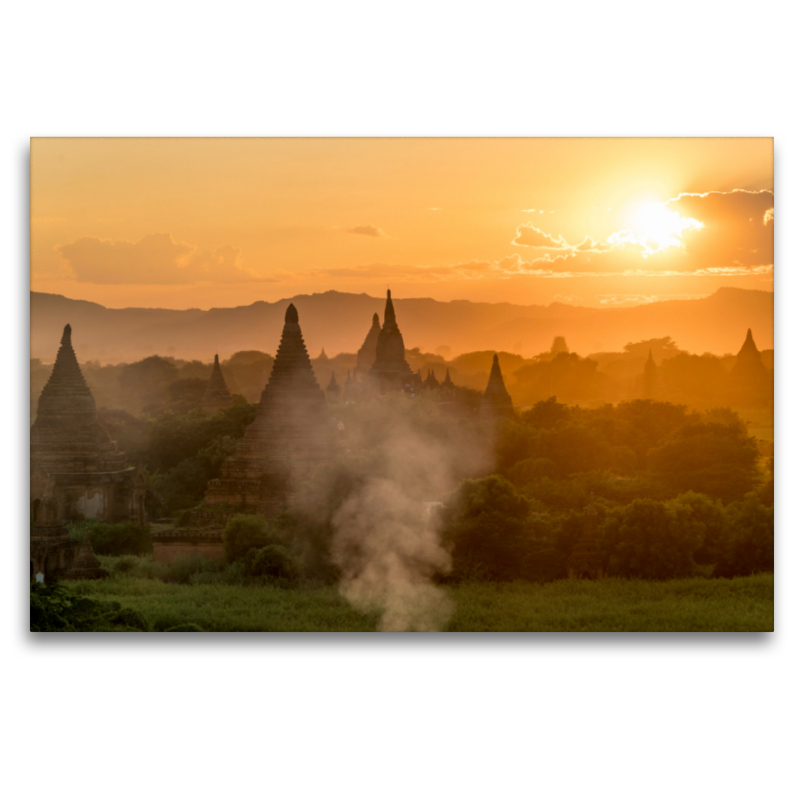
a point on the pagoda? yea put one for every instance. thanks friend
(85, 567)
(291, 435)
(217, 396)
(367, 353)
(496, 400)
(431, 382)
(749, 367)
(88, 474)
(650, 379)
(390, 370)
(334, 391)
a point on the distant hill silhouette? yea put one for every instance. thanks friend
(339, 322)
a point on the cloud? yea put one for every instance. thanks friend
(738, 230)
(530, 236)
(154, 259)
(368, 230)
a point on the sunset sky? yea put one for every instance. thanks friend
(179, 223)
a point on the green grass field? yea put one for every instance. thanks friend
(693, 604)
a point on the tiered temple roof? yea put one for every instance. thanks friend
(496, 399)
(366, 355)
(89, 473)
(390, 370)
(447, 383)
(217, 395)
(291, 434)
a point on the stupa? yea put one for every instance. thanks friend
(217, 395)
(749, 367)
(85, 567)
(89, 474)
(496, 400)
(291, 435)
(431, 382)
(390, 370)
(650, 379)
(367, 353)
(334, 391)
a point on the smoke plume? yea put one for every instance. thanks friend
(386, 539)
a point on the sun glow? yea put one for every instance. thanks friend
(655, 228)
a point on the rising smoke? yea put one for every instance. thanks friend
(386, 541)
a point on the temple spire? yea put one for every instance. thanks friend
(496, 398)
(388, 314)
(217, 396)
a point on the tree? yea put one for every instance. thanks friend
(484, 525)
(716, 459)
(245, 532)
(652, 540)
(750, 533)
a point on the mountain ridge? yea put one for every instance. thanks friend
(339, 321)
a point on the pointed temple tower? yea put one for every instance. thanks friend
(334, 391)
(88, 473)
(496, 400)
(585, 561)
(367, 353)
(448, 387)
(431, 382)
(748, 367)
(217, 395)
(650, 380)
(390, 370)
(349, 391)
(291, 435)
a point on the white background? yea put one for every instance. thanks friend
(557, 716)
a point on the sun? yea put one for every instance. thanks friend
(656, 228)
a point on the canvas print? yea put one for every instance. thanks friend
(446, 384)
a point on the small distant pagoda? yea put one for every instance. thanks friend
(85, 567)
(650, 378)
(749, 367)
(217, 397)
(390, 370)
(291, 435)
(448, 387)
(334, 391)
(73, 455)
(368, 351)
(431, 382)
(496, 400)
(585, 561)
(349, 392)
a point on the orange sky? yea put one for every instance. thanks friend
(180, 223)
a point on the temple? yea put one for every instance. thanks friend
(217, 395)
(73, 456)
(650, 379)
(748, 366)
(496, 400)
(85, 567)
(368, 351)
(751, 381)
(334, 391)
(52, 550)
(390, 370)
(291, 435)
